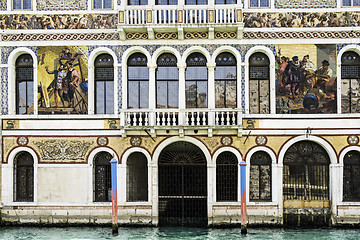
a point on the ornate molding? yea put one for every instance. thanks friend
(302, 35)
(136, 36)
(63, 150)
(59, 37)
(196, 35)
(166, 35)
(225, 35)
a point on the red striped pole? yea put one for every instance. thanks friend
(113, 163)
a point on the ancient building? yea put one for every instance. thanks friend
(180, 92)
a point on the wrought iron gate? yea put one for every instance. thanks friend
(182, 186)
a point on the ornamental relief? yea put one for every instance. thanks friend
(212, 143)
(63, 150)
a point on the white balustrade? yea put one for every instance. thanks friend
(186, 117)
(165, 14)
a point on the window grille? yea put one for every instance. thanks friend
(167, 82)
(306, 172)
(225, 81)
(196, 81)
(23, 177)
(104, 88)
(350, 65)
(138, 81)
(351, 180)
(260, 177)
(137, 178)
(24, 84)
(102, 177)
(226, 177)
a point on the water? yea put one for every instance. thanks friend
(89, 233)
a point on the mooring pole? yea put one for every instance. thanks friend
(243, 196)
(113, 163)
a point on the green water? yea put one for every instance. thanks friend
(82, 233)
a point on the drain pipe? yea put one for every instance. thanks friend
(243, 196)
(113, 163)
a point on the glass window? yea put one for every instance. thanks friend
(104, 84)
(259, 3)
(350, 83)
(102, 177)
(23, 177)
(167, 82)
(225, 1)
(137, 178)
(138, 81)
(24, 85)
(196, 81)
(137, 2)
(225, 81)
(351, 183)
(226, 177)
(260, 177)
(102, 4)
(195, 2)
(351, 3)
(259, 83)
(22, 4)
(166, 2)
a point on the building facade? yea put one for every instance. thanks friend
(180, 92)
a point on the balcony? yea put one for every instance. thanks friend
(179, 19)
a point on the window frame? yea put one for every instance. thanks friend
(229, 168)
(97, 161)
(351, 163)
(22, 6)
(18, 80)
(259, 4)
(351, 4)
(348, 79)
(260, 162)
(96, 80)
(135, 156)
(30, 190)
(102, 5)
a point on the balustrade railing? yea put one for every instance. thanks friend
(174, 14)
(183, 117)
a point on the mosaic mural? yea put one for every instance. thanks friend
(306, 78)
(55, 5)
(61, 21)
(302, 19)
(62, 75)
(305, 4)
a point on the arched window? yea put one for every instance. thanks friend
(138, 81)
(102, 177)
(260, 177)
(196, 84)
(226, 177)
(104, 84)
(351, 183)
(225, 81)
(259, 83)
(167, 82)
(306, 172)
(137, 178)
(23, 177)
(24, 85)
(350, 85)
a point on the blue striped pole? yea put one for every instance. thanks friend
(113, 163)
(243, 196)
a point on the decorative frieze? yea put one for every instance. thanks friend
(302, 35)
(225, 35)
(59, 37)
(305, 4)
(196, 35)
(166, 35)
(136, 36)
(57, 5)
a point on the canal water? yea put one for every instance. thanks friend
(82, 233)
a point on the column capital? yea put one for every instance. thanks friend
(150, 66)
(181, 66)
(210, 66)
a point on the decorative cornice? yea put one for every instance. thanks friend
(59, 37)
(302, 35)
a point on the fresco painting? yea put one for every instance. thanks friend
(62, 80)
(306, 79)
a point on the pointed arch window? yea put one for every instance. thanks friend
(350, 82)
(167, 82)
(102, 177)
(196, 84)
(137, 178)
(259, 83)
(225, 81)
(23, 177)
(138, 81)
(226, 177)
(104, 84)
(351, 180)
(24, 84)
(260, 177)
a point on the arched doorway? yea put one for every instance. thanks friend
(182, 185)
(306, 185)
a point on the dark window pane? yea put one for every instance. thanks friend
(102, 177)
(202, 94)
(109, 85)
(27, 4)
(16, 4)
(346, 3)
(137, 178)
(254, 3)
(356, 3)
(173, 94)
(264, 3)
(97, 4)
(107, 4)
(230, 94)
